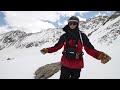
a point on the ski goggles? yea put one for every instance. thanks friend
(72, 23)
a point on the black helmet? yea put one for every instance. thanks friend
(74, 18)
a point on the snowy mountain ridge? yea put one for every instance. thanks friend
(108, 33)
(92, 24)
(20, 39)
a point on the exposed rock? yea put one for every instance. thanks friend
(113, 16)
(47, 71)
(10, 58)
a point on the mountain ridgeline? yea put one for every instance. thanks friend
(20, 39)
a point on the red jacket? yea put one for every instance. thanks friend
(76, 64)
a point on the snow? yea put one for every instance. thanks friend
(27, 61)
(104, 27)
(24, 62)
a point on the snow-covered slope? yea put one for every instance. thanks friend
(106, 39)
(108, 33)
(17, 61)
(92, 24)
(40, 38)
(19, 39)
(10, 38)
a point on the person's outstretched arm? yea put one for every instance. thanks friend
(89, 48)
(55, 48)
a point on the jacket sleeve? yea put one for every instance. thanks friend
(57, 46)
(89, 48)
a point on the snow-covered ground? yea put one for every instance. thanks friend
(25, 61)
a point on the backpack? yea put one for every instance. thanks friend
(71, 52)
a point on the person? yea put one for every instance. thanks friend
(73, 41)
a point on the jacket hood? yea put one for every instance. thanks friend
(67, 29)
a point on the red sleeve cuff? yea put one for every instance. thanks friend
(49, 50)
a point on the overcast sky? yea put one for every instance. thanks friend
(34, 21)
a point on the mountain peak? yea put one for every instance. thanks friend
(21, 39)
